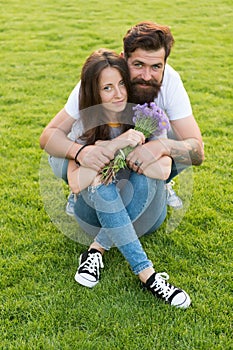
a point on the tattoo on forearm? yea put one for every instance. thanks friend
(190, 152)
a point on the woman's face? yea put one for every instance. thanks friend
(113, 92)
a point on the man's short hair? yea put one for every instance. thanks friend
(148, 36)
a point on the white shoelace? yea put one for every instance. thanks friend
(93, 262)
(161, 286)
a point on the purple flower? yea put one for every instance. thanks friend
(150, 120)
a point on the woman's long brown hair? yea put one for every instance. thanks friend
(93, 116)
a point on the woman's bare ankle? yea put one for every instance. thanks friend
(145, 274)
(95, 245)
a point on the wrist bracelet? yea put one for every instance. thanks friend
(76, 156)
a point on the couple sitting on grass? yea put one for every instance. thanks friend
(97, 125)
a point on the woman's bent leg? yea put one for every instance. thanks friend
(145, 201)
(116, 224)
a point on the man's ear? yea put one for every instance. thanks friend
(122, 54)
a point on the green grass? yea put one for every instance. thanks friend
(43, 46)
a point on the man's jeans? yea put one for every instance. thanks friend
(59, 167)
(121, 215)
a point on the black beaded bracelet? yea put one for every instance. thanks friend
(76, 156)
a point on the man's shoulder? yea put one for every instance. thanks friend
(172, 96)
(77, 87)
(72, 104)
(171, 79)
(170, 72)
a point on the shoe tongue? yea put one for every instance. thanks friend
(150, 280)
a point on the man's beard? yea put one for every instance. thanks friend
(141, 95)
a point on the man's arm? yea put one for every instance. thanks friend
(186, 149)
(190, 149)
(54, 141)
(54, 138)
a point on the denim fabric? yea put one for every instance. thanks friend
(114, 212)
(134, 209)
(116, 226)
(138, 208)
(136, 256)
(59, 167)
(176, 169)
(159, 222)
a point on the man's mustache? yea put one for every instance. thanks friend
(151, 82)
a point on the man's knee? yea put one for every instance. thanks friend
(59, 167)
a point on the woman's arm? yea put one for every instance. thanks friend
(159, 169)
(79, 178)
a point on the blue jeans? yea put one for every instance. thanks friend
(59, 167)
(176, 169)
(118, 216)
(143, 212)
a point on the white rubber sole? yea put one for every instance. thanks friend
(184, 304)
(84, 281)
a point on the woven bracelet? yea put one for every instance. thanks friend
(76, 156)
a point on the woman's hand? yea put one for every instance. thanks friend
(159, 169)
(96, 156)
(130, 138)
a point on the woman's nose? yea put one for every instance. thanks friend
(118, 92)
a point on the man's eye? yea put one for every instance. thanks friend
(156, 66)
(138, 65)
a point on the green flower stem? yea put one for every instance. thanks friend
(119, 162)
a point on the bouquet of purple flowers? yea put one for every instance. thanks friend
(150, 120)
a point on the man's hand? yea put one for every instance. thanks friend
(186, 149)
(144, 155)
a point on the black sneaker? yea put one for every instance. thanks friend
(158, 285)
(88, 273)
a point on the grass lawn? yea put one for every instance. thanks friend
(43, 46)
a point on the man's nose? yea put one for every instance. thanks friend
(146, 74)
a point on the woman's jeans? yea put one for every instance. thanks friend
(117, 216)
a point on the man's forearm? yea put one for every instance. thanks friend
(57, 144)
(188, 152)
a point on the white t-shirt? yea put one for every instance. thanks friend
(172, 97)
